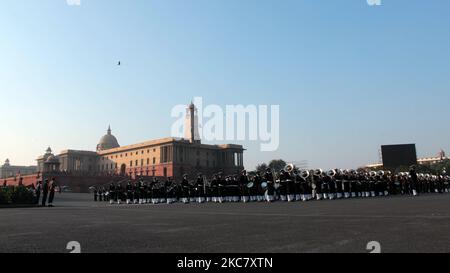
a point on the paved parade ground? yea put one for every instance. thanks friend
(399, 224)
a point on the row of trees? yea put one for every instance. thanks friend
(276, 165)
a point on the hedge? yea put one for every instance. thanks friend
(19, 195)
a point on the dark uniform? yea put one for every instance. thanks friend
(130, 196)
(414, 181)
(244, 190)
(112, 195)
(95, 195)
(52, 189)
(120, 195)
(45, 188)
(270, 193)
(200, 190)
(169, 190)
(185, 188)
(38, 191)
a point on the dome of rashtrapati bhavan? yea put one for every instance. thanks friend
(108, 141)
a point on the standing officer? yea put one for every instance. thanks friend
(44, 192)
(38, 191)
(52, 189)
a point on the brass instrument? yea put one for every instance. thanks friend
(318, 172)
(304, 174)
(331, 173)
(289, 168)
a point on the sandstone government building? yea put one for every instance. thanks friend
(167, 157)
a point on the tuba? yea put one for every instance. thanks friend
(318, 172)
(289, 168)
(331, 173)
(304, 174)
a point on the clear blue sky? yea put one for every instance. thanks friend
(347, 76)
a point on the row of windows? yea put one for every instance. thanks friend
(113, 166)
(207, 163)
(126, 154)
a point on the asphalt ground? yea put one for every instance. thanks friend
(398, 223)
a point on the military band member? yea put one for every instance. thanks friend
(317, 184)
(169, 189)
(414, 181)
(387, 183)
(222, 183)
(112, 193)
(259, 191)
(229, 191)
(290, 186)
(331, 184)
(325, 189)
(447, 182)
(200, 189)
(95, 194)
(339, 187)
(304, 186)
(253, 191)
(270, 192)
(103, 196)
(129, 190)
(296, 183)
(154, 189)
(243, 185)
(214, 189)
(236, 188)
(353, 184)
(280, 186)
(346, 184)
(120, 193)
(185, 189)
(360, 178)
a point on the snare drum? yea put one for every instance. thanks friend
(250, 185)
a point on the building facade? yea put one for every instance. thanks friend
(8, 170)
(167, 157)
(440, 157)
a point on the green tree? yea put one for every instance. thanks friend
(277, 164)
(261, 168)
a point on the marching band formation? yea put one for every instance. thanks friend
(288, 185)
